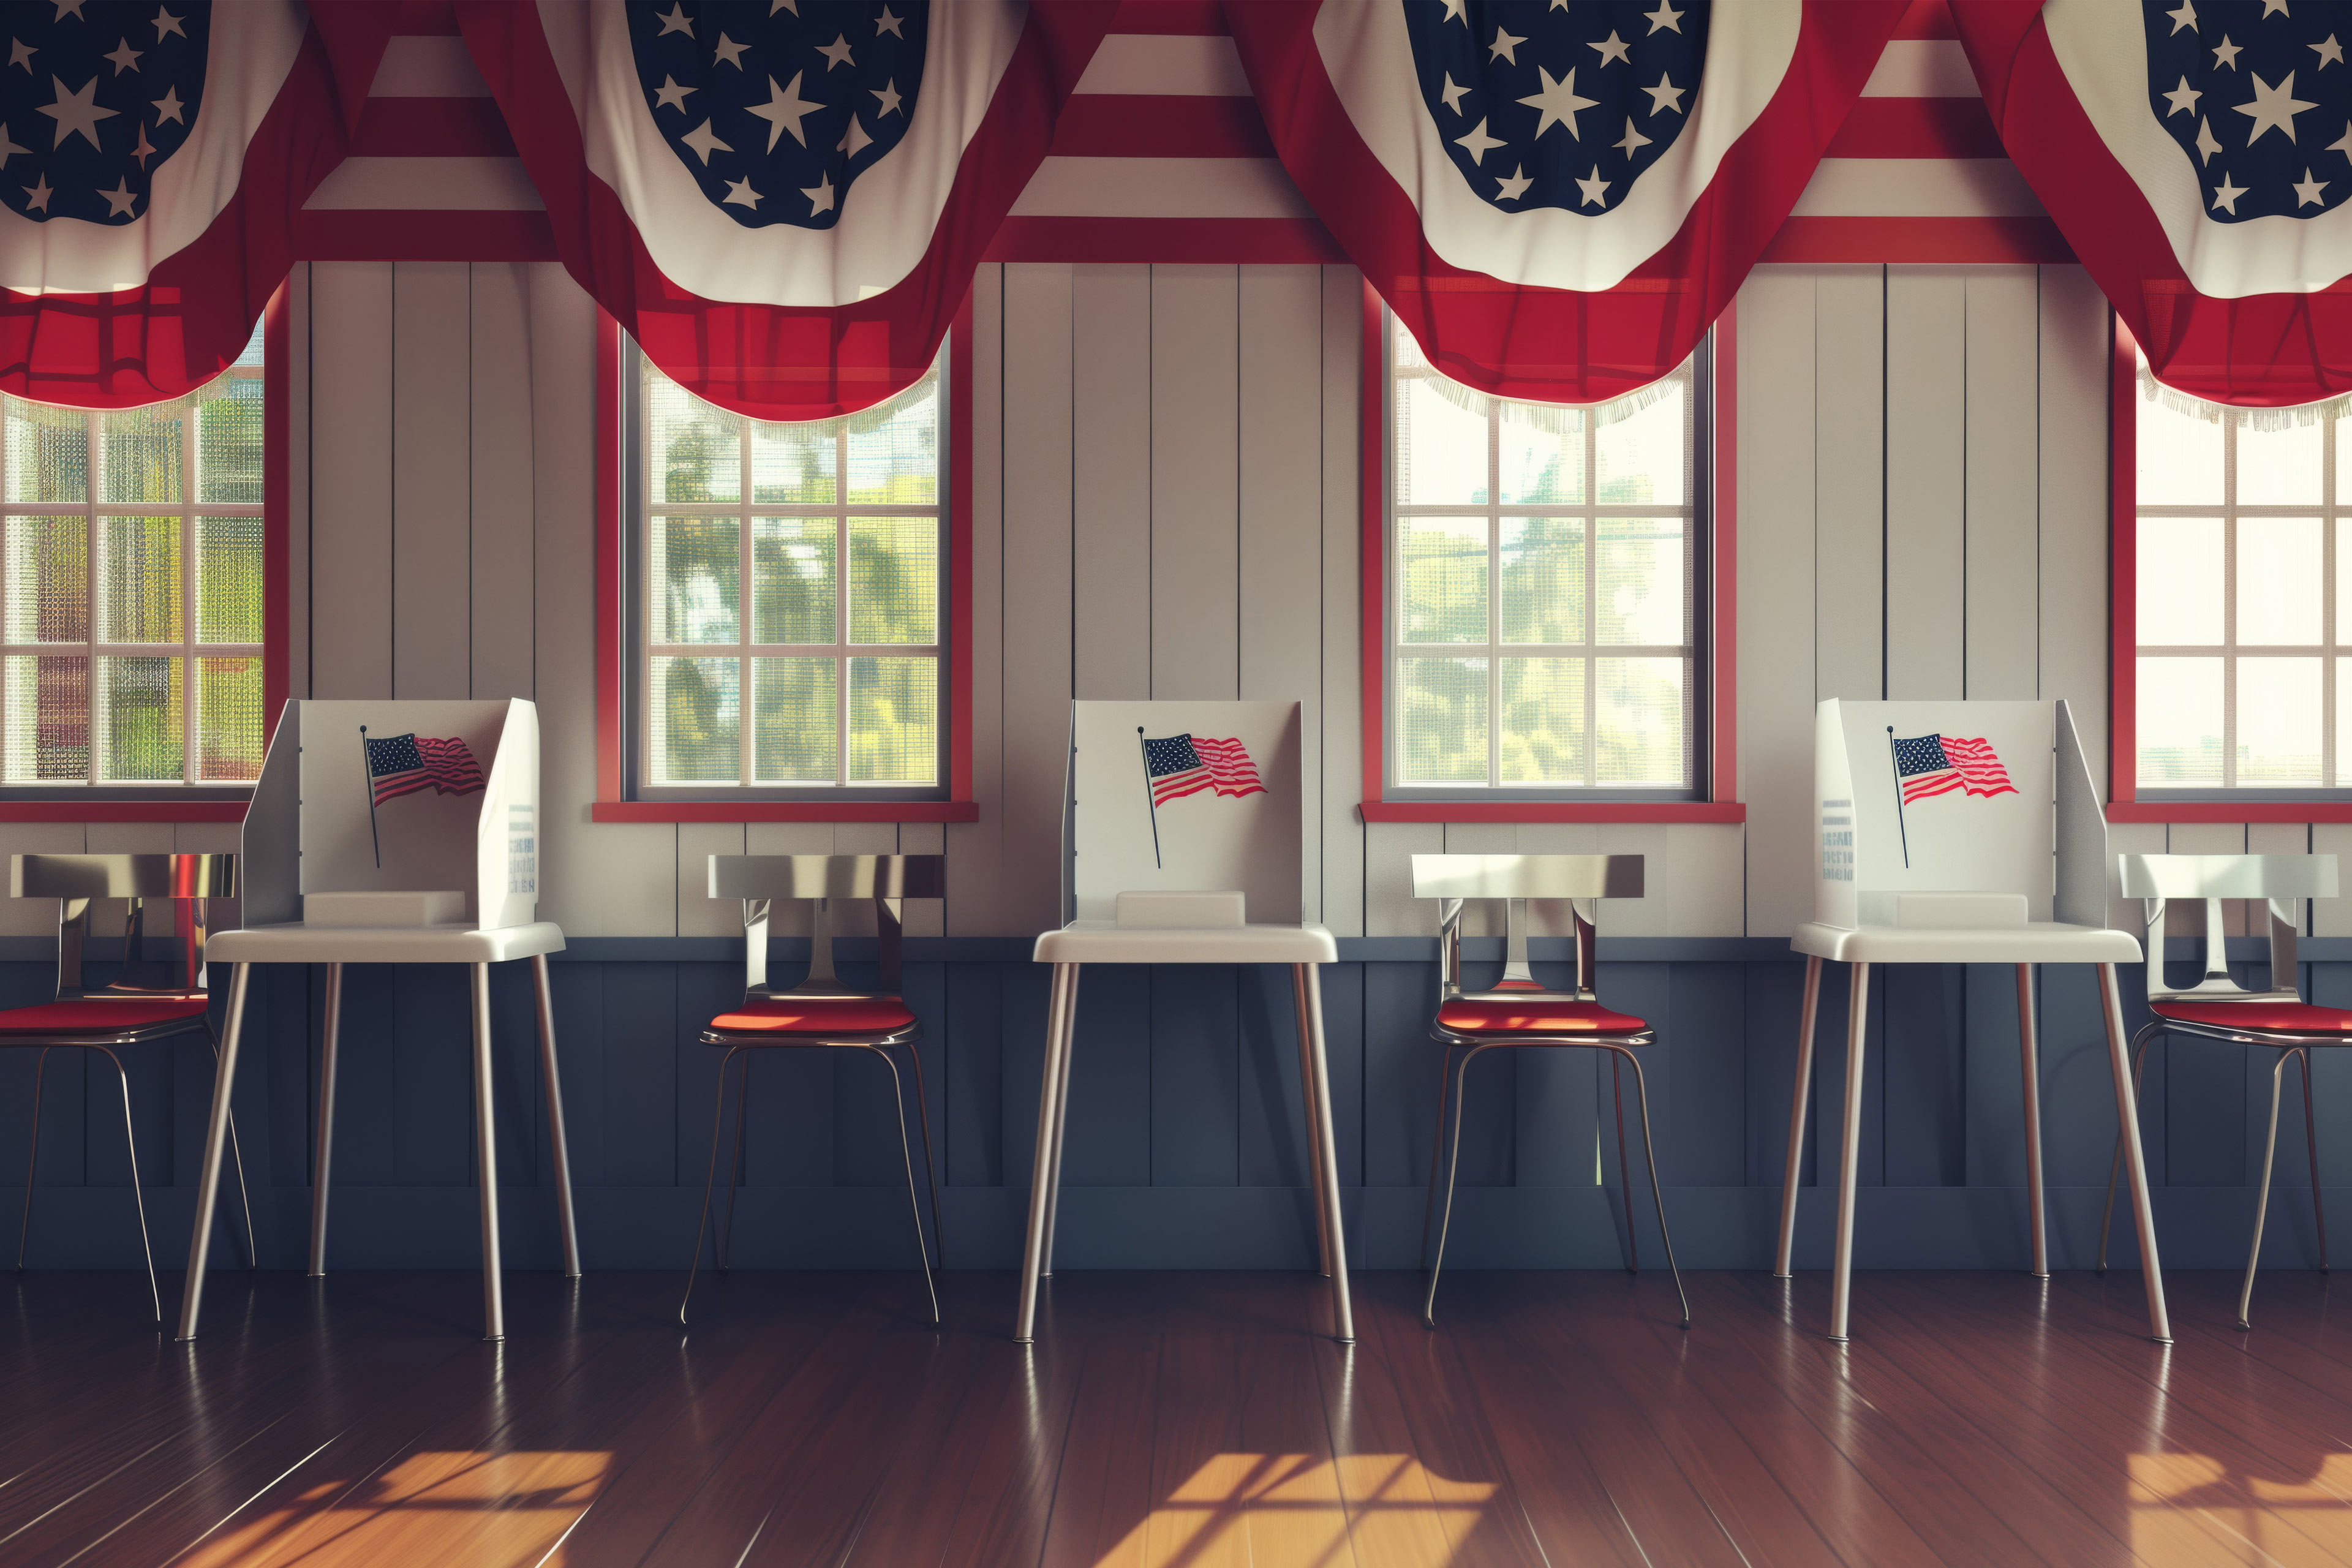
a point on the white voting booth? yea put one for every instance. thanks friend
(1181, 844)
(393, 832)
(1956, 832)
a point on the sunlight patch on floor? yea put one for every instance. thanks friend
(2194, 1508)
(1295, 1510)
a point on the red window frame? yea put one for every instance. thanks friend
(1722, 571)
(276, 616)
(612, 651)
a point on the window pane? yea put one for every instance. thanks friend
(894, 720)
(2180, 581)
(1440, 447)
(1543, 579)
(49, 579)
(228, 442)
(696, 568)
(47, 698)
(2278, 580)
(1642, 589)
(1541, 448)
(2278, 722)
(2180, 722)
(894, 450)
(695, 450)
(1543, 720)
(696, 718)
(791, 572)
(48, 452)
(793, 465)
(1442, 579)
(2179, 455)
(141, 449)
(142, 715)
(228, 718)
(1638, 715)
(894, 580)
(228, 579)
(1441, 720)
(138, 597)
(1641, 456)
(794, 721)
(2278, 467)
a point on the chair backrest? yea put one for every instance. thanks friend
(2281, 881)
(77, 881)
(1580, 880)
(759, 881)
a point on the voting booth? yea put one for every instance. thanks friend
(393, 832)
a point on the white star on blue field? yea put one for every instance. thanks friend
(2258, 94)
(96, 96)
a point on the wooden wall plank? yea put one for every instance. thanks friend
(700, 914)
(500, 499)
(2002, 630)
(1195, 456)
(298, 476)
(975, 849)
(351, 480)
(2076, 328)
(1846, 443)
(432, 525)
(1342, 830)
(1110, 480)
(2333, 917)
(1390, 907)
(1926, 436)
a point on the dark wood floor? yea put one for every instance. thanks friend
(1194, 1420)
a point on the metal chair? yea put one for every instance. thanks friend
(1518, 1012)
(2218, 1008)
(820, 1013)
(128, 1011)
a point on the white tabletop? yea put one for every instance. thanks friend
(1103, 942)
(383, 944)
(2037, 942)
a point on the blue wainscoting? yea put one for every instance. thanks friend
(1184, 1146)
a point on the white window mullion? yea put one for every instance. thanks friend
(92, 478)
(746, 591)
(188, 737)
(841, 604)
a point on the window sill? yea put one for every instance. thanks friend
(98, 808)
(2229, 811)
(1553, 811)
(784, 811)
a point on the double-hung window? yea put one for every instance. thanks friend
(789, 607)
(130, 592)
(1543, 616)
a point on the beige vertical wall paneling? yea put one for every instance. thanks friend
(1038, 589)
(923, 916)
(855, 917)
(2210, 838)
(36, 917)
(1778, 630)
(791, 917)
(1481, 919)
(432, 524)
(499, 483)
(1842, 378)
(1341, 589)
(1926, 440)
(350, 480)
(2129, 838)
(1279, 375)
(1390, 907)
(2274, 839)
(2333, 917)
(1110, 480)
(298, 478)
(1195, 453)
(1549, 916)
(2001, 629)
(2076, 335)
(974, 849)
(700, 914)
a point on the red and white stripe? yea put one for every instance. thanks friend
(1230, 768)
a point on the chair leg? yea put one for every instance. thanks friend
(1624, 1171)
(723, 1255)
(2310, 1150)
(200, 1237)
(1043, 1174)
(1453, 1138)
(329, 1053)
(33, 1158)
(710, 1179)
(2029, 1046)
(137, 1200)
(552, 1084)
(1650, 1153)
(914, 1198)
(1798, 1096)
(930, 1166)
(2141, 1042)
(2262, 1194)
(2160, 1322)
(1849, 1154)
(1436, 1146)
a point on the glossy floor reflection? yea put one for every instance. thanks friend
(1174, 1421)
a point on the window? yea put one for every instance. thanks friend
(130, 590)
(1543, 611)
(2243, 627)
(794, 570)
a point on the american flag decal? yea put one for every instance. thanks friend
(1179, 765)
(1938, 764)
(404, 765)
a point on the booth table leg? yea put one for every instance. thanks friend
(486, 1159)
(1299, 987)
(1797, 1099)
(555, 1091)
(1061, 1124)
(324, 1164)
(1309, 982)
(1059, 1013)
(2029, 1042)
(2160, 1324)
(1850, 1156)
(215, 1144)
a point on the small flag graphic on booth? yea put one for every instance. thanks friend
(1187, 764)
(1938, 764)
(403, 765)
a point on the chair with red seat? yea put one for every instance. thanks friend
(2218, 1008)
(821, 1013)
(129, 1011)
(1519, 1011)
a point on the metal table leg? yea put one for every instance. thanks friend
(1061, 1125)
(486, 1156)
(215, 1144)
(2160, 1324)
(2028, 1043)
(1060, 1015)
(1308, 980)
(1849, 1156)
(1314, 1145)
(553, 1088)
(1797, 1103)
(324, 1164)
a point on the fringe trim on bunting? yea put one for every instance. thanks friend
(1551, 418)
(2265, 419)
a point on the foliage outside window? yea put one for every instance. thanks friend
(2244, 626)
(1543, 558)
(131, 589)
(792, 572)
